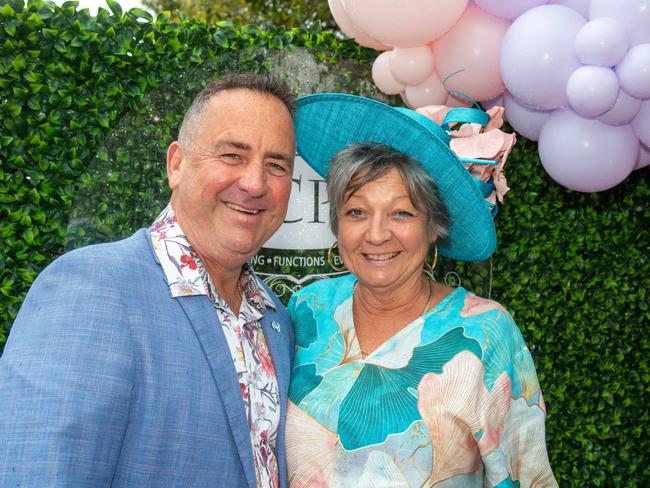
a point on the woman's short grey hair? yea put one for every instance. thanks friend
(360, 163)
(264, 84)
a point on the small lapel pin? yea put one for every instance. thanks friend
(275, 326)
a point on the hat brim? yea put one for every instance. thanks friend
(326, 123)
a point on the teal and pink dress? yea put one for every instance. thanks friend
(451, 400)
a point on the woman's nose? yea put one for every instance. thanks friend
(378, 230)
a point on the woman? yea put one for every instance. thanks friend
(398, 380)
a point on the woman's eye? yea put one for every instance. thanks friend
(231, 156)
(403, 214)
(354, 212)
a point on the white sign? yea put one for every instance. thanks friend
(306, 225)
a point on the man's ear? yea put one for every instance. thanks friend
(174, 160)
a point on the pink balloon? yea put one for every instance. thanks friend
(641, 123)
(473, 45)
(411, 65)
(430, 92)
(634, 71)
(456, 101)
(585, 154)
(592, 90)
(524, 120)
(493, 102)
(383, 77)
(407, 23)
(602, 42)
(623, 111)
(580, 6)
(633, 14)
(644, 157)
(508, 9)
(347, 26)
(536, 56)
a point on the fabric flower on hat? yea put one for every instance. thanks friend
(474, 141)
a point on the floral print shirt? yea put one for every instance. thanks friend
(250, 353)
(451, 400)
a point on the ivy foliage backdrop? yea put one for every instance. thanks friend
(89, 104)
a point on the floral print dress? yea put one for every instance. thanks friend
(451, 400)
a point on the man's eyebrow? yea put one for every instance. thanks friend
(222, 145)
(232, 144)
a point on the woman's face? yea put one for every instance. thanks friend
(383, 239)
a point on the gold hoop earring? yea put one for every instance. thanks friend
(330, 253)
(435, 258)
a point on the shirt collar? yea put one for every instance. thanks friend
(184, 270)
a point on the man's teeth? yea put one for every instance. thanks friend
(242, 209)
(381, 257)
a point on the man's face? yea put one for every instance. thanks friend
(231, 187)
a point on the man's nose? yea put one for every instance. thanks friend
(253, 179)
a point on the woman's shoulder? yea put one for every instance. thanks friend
(327, 288)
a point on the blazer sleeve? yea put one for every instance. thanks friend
(66, 378)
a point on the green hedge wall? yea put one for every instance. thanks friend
(88, 105)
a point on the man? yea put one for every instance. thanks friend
(161, 360)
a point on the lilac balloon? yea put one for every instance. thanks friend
(584, 154)
(592, 90)
(580, 6)
(536, 58)
(634, 71)
(641, 123)
(493, 102)
(508, 9)
(633, 14)
(524, 121)
(602, 42)
(644, 157)
(623, 111)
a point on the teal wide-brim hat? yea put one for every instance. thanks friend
(327, 122)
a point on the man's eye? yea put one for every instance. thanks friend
(277, 169)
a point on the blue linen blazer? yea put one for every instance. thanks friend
(106, 380)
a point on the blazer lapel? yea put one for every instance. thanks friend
(203, 317)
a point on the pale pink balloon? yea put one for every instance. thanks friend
(537, 55)
(644, 157)
(406, 23)
(508, 9)
(641, 123)
(524, 120)
(633, 14)
(411, 65)
(585, 154)
(580, 6)
(592, 90)
(623, 111)
(347, 26)
(456, 101)
(383, 77)
(473, 45)
(430, 92)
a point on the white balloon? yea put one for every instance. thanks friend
(592, 90)
(633, 14)
(601, 42)
(536, 60)
(383, 77)
(623, 111)
(634, 71)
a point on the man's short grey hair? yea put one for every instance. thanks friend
(360, 163)
(265, 84)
